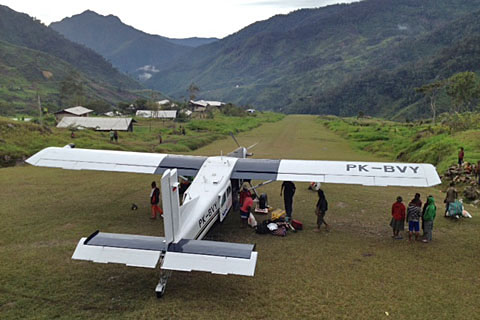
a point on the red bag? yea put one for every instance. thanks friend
(297, 225)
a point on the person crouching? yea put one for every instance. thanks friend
(247, 206)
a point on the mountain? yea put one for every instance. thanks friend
(391, 92)
(192, 42)
(129, 49)
(293, 62)
(35, 58)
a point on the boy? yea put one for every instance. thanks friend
(413, 217)
(398, 218)
(154, 200)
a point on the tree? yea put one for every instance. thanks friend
(431, 91)
(463, 88)
(99, 106)
(71, 89)
(193, 90)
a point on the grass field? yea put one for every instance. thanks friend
(19, 140)
(354, 272)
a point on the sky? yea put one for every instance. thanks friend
(171, 18)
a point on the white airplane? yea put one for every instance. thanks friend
(208, 199)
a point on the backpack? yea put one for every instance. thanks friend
(262, 201)
(262, 227)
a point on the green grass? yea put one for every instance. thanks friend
(19, 140)
(412, 142)
(354, 272)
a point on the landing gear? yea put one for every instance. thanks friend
(162, 283)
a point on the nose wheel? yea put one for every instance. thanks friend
(162, 283)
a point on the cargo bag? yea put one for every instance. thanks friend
(297, 225)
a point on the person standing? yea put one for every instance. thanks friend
(288, 190)
(461, 154)
(111, 135)
(428, 218)
(398, 218)
(115, 136)
(321, 210)
(414, 211)
(450, 197)
(154, 200)
(477, 171)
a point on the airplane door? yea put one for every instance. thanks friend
(224, 205)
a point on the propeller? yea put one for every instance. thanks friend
(235, 139)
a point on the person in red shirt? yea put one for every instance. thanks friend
(246, 208)
(398, 218)
(244, 194)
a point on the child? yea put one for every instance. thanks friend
(321, 210)
(154, 200)
(428, 217)
(398, 218)
(413, 217)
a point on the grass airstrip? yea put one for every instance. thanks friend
(357, 271)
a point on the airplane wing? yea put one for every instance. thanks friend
(117, 161)
(186, 255)
(346, 172)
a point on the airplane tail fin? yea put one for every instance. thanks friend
(171, 205)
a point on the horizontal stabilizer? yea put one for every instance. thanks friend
(211, 256)
(131, 250)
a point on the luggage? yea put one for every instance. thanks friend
(262, 201)
(262, 227)
(252, 222)
(455, 209)
(278, 214)
(297, 225)
(281, 231)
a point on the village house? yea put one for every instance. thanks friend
(99, 124)
(157, 114)
(77, 111)
(202, 105)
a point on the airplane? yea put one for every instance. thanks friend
(208, 199)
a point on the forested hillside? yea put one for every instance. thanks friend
(35, 58)
(129, 49)
(305, 61)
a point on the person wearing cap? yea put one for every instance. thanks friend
(398, 218)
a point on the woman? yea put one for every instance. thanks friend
(321, 210)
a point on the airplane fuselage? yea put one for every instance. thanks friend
(208, 199)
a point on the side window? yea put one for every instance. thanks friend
(229, 190)
(224, 199)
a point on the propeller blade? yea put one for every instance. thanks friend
(235, 139)
(252, 146)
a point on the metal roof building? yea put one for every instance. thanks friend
(99, 124)
(77, 111)
(157, 114)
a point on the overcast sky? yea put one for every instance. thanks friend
(171, 18)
